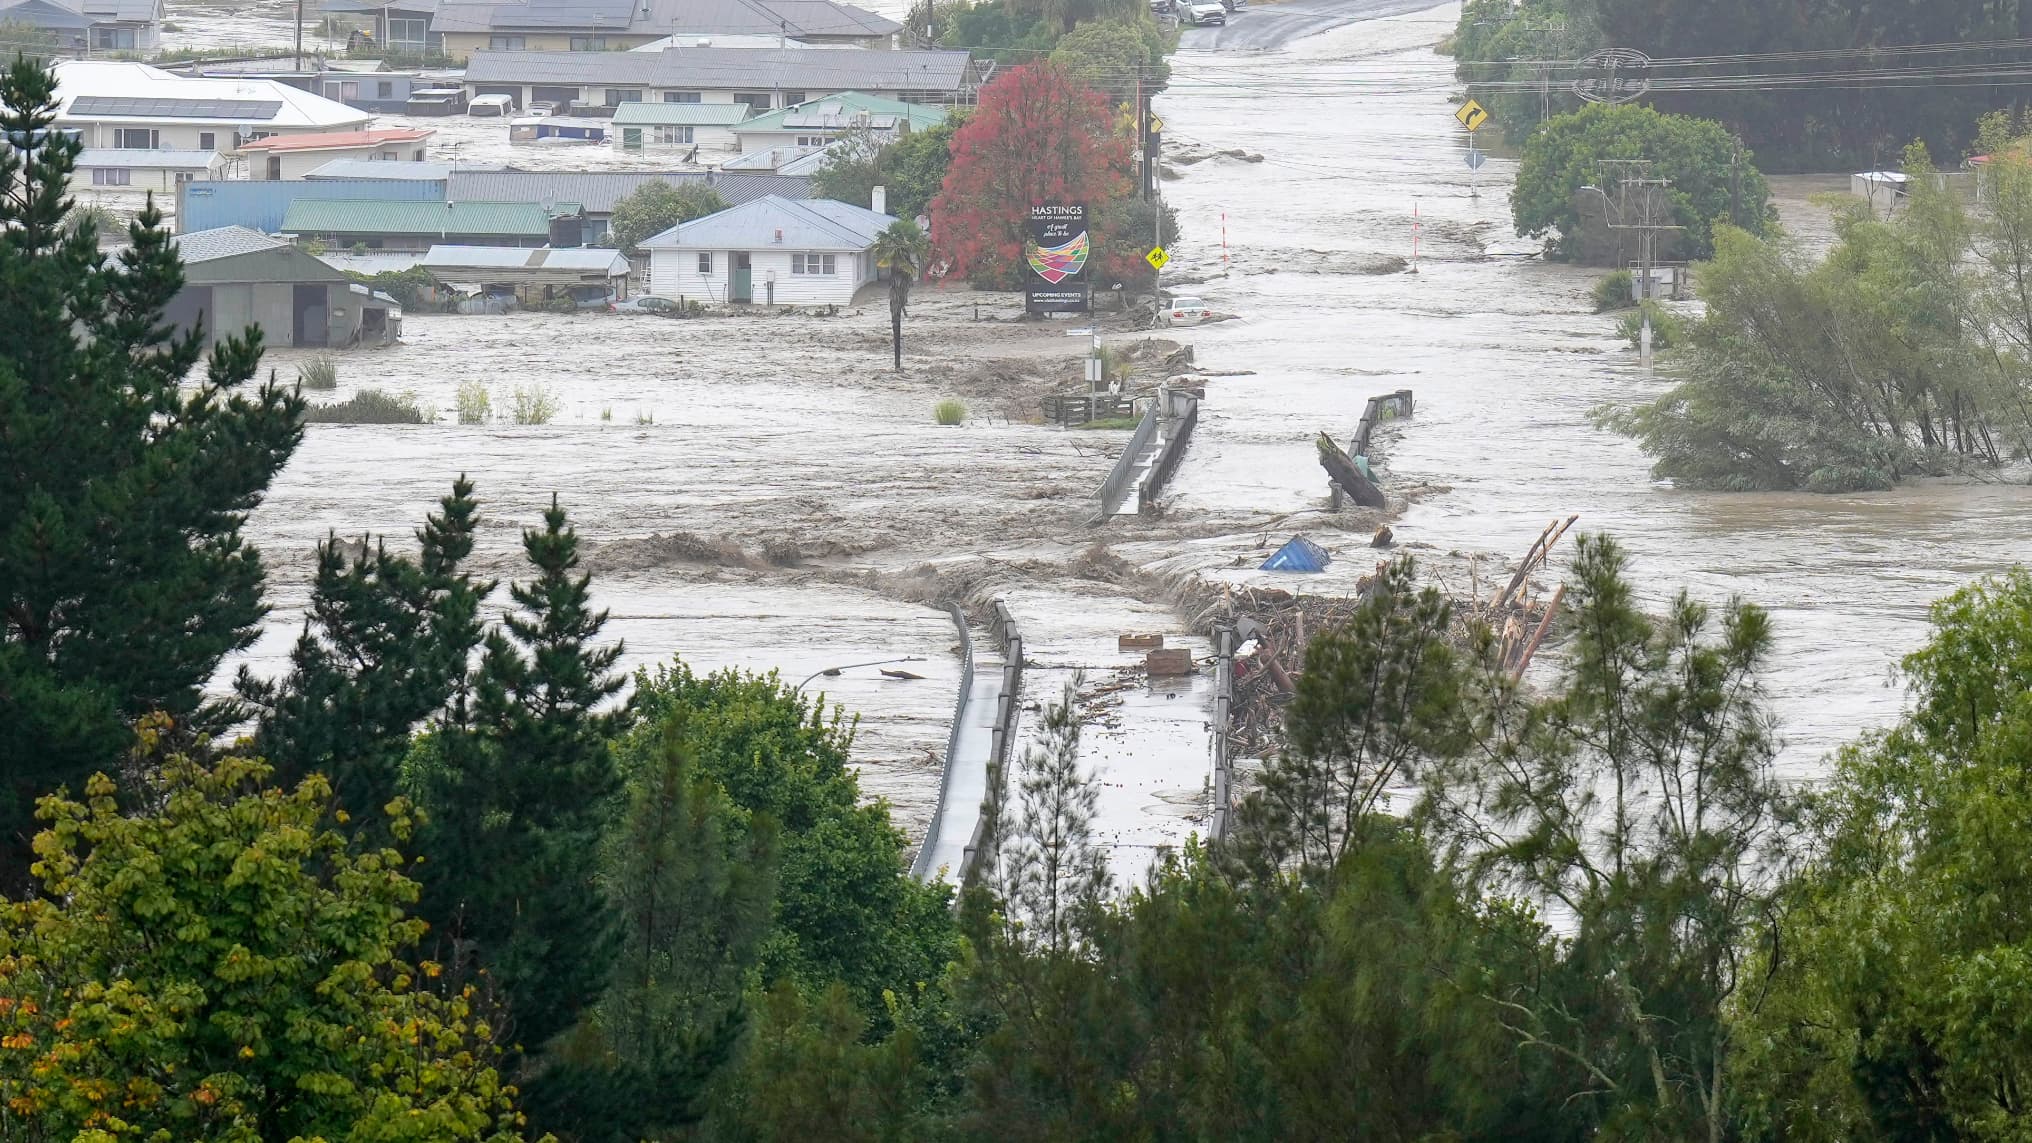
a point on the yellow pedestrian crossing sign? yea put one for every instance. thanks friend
(1157, 258)
(1472, 115)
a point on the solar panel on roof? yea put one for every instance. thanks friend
(140, 108)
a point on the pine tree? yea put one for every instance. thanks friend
(1051, 869)
(123, 578)
(385, 646)
(519, 788)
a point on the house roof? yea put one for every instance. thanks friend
(224, 242)
(793, 18)
(116, 90)
(796, 162)
(370, 216)
(583, 260)
(382, 169)
(813, 224)
(337, 140)
(124, 11)
(598, 191)
(147, 160)
(680, 114)
(47, 15)
(839, 112)
(729, 69)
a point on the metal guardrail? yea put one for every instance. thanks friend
(1398, 404)
(1174, 447)
(921, 868)
(982, 844)
(1224, 706)
(1125, 465)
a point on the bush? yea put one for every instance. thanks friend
(320, 372)
(475, 404)
(534, 405)
(371, 407)
(949, 412)
(1666, 328)
(1617, 290)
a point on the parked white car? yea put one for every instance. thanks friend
(1186, 311)
(1204, 12)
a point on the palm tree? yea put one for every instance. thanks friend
(901, 250)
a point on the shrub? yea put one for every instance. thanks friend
(371, 407)
(643, 417)
(949, 412)
(1666, 328)
(534, 405)
(320, 372)
(475, 404)
(1616, 291)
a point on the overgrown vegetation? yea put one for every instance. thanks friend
(655, 207)
(320, 371)
(416, 288)
(372, 407)
(474, 402)
(1615, 290)
(534, 405)
(950, 411)
(1903, 352)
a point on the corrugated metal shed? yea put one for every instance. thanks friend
(493, 265)
(679, 114)
(366, 216)
(598, 191)
(726, 69)
(223, 242)
(206, 203)
(815, 224)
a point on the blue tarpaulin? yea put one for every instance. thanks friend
(1300, 555)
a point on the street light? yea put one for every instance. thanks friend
(851, 666)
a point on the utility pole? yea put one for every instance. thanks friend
(1645, 216)
(299, 35)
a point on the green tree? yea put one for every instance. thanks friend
(914, 166)
(124, 581)
(1050, 870)
(519, 796)
(854, 167)
(1119, 57)
(1711, 176)
(1639, 800)
(655, 207)
(1897, 1011)
(385, 645)
(845, 908)
(900, 250)
(226, 966)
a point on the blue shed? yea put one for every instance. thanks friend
(207, 204)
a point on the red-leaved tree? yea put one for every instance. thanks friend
(1038, 136)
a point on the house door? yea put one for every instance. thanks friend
(742, 288)
(274, 167)
(311, 324)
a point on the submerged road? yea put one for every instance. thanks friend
(1274, 24)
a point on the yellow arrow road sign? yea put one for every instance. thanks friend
(1157, 258)
(1472, 115)
(1156, 125)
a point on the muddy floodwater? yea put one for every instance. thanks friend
(763, 491)
(1355, 131)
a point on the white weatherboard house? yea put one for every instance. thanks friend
(134, 107)
(772, 250)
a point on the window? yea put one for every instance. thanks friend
(589, 43)
(207, 141)
(506, 43)
(813, 141)
(674, 135)
(111, 176)
(756, 100)
(113, 39)
(184, 176)
(384, 89)
(684, 97)
(616, 96)
(792, 98)
(705, 263)
(137, 139)
(812, 264)
(388, 156)
(408, 33)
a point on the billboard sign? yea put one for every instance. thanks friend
(1057, 252)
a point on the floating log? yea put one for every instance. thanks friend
(1341, 469)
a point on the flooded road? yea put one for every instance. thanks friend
(1355, 131)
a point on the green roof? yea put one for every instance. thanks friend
(837, 112)
(679, 114)
(367, 216)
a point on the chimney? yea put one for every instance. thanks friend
(879, 201)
